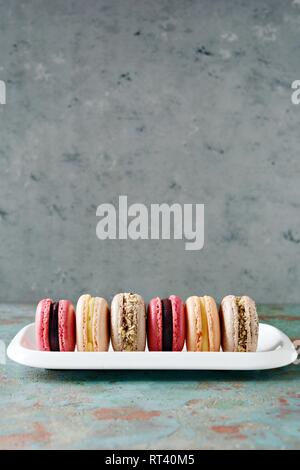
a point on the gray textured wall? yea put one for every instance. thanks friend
(165, 101)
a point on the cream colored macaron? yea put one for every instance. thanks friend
(239, 324)
(92, 324)
(202, 324)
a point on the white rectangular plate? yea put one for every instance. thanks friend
(275, 349)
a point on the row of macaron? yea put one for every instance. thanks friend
(165, 325)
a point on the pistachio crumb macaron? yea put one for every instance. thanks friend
(239, 324)
(128, 322)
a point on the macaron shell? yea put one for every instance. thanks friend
(213, 323)
(42, 317)
(82, 310)
(179, 326)
(141, 322)
(154, 325)
(100, 325)
(254, 325)
(115, 322)
(193, 324)
(229, 324)
(66, 326)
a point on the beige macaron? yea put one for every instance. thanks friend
(202, 324)
(92, 324)
(239, 324)
(128, 322)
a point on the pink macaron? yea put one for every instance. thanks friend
(166, 324)
(55, 326)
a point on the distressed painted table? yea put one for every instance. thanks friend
(139, 410)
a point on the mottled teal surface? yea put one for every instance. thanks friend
(139, 410)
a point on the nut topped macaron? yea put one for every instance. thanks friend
(128, 322)
(239, 324)
(203, 324)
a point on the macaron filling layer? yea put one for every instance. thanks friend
(205, 339)
(128, 329)
(198, 333)
(53, 327)
(242, 330)
(95, 326)
(167, 325)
